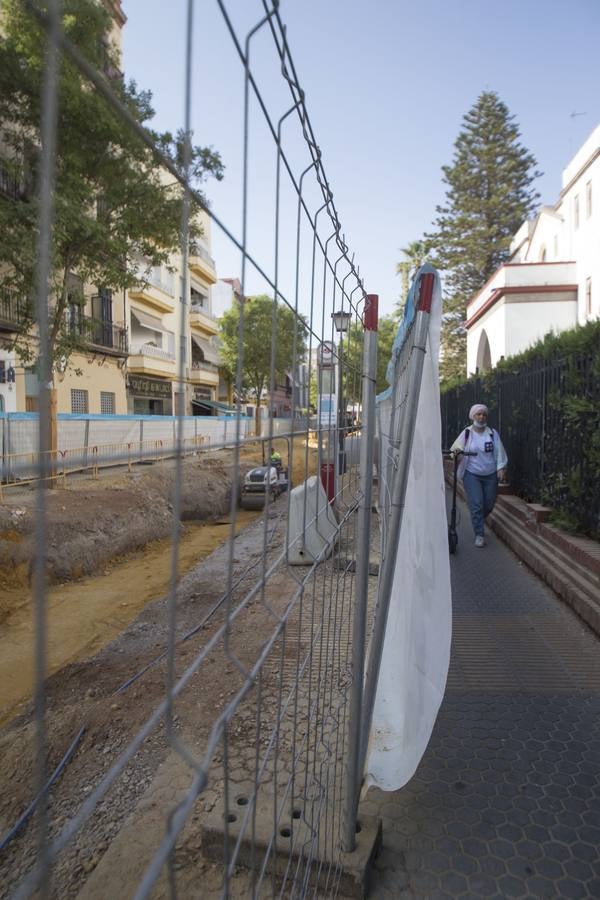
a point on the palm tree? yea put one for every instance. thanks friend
(415, 254)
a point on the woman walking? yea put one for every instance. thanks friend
(480, 473)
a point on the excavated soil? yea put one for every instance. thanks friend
(119, 528)
(92, 523)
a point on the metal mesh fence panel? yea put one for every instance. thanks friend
(233, 719)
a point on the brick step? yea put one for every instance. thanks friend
(558, 553)
(578, 549)
(567, 578)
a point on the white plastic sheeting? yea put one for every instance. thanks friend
(19, 431)
(416, 650)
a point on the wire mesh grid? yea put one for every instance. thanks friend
(244, 756)
(390, 427)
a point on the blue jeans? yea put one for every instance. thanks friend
(481, 494)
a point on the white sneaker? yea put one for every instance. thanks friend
(479, 541)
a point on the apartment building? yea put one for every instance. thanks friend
(128, 342)
(158, 336)
(90, 381)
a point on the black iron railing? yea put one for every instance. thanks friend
(14, 310)
(198, 250)
(97, 333)
(548, 415)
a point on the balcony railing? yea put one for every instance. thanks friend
(154, 352)
(14, 310)
(198, 250)
(206, 366)
(97, 333)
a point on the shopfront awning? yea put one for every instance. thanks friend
(211, 355)
(221, 408)
(147, 321)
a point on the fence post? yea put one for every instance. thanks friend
(86, 440)
(388, 563)
(359, 625)
(8, 450)
(141, 439)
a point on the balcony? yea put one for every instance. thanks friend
(202, 264)
(204, 366)
(14, 311)
(204, 373)
(202, 319)
(154, 292)
(151, 360)
(109, 337)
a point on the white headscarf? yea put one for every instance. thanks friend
(477, 408)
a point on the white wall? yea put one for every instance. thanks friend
(8, 392)
(529, 322)
(517, 321)
(494, 325)
(584, 240)
(222, 298)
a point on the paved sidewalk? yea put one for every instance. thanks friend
(506, 801)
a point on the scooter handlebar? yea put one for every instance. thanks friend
(452, 453)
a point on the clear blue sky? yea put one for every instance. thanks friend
(387, 84)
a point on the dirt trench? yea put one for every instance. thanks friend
(92, 523)
(118, 528)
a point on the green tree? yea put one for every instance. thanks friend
(114, 202)
(489, 195)
(353, 356)
(415, 254)
(264, 323)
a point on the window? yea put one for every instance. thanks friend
(588, 297)
(107, 403)
(79, 401)
(588, 199)
(576, 211)
(543, 253)
(199, 299)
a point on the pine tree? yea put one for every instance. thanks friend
(488, 197)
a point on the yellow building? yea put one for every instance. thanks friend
(132, 340)
(153, 387)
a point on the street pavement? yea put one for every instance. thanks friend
(506, 800)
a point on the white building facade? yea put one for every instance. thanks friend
(552, 280)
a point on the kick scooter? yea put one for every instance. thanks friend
(452, 533)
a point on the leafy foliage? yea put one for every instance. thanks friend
(489, 195)
(548, 402)
(353, 356)
(114, 203)
(268, 329)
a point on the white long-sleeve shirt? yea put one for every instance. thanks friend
(486, 443)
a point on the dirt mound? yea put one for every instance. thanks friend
(92, 522)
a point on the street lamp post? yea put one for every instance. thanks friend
(341, 322)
